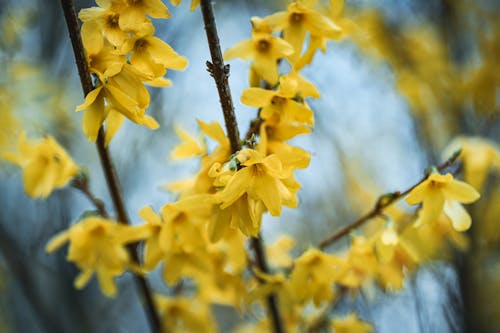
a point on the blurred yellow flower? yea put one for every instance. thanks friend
(185, 315)
(313, 276)
(46, 165)
(98, 245)
(299, 19)
(440, 192)
(264, 50)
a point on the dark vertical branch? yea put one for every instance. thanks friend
(220, 73)
(272, 300)
(106, 162)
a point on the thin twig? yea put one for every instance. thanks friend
(220, 73)
(106, 162)
(382, 203)
(81, 183)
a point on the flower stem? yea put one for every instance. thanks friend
(382, 203)
(220, 73)
(105, 158)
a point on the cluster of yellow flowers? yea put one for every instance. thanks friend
(123, 54)
(201, 237)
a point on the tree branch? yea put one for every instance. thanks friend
(382, 203)
(220, 73)
(106, 162)
(81, 183)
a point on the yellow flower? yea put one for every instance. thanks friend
(279, 106)
(46, 165)
(297, 21)
(260, 178)
(479, 155)
(176, 237)
(119, 95)
(100, 24)
(133, 12)
(442, 192)
(98, 245)
(151, 56)
(181, 314)
(313, 276)
(350, 324)
(278, 253)
(189, 147)
(361, 263)
(244, 214)
(264, 50)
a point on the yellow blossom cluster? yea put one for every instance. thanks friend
(199, 240)
(123, 55)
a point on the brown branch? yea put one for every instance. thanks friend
(106, 162)
(382, 203)
(272, 300)
(220, 73)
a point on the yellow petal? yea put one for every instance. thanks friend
(219, 222)
(244, 50)
(257, 97)
(114, 121)
(90, 98)
(157, 9)
(266, 190)
(106, 282)
(432, 207)
(165, 54)
(82, 278)
(460, 191)
(57, 241)
(460, 219)
(92, 37)
(93, 117)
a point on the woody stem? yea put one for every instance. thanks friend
(220, 73)
(106, 161)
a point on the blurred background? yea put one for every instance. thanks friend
(412, 76)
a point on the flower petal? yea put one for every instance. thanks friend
(460, 219)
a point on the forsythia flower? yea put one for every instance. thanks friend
(313, 276)
(46, 165)
(260, 178)
(479, 155)
(125, 96)
(185, 315)
(189, 147)
(440, 192)
(98, 245)
(279, 105)
(278, 253)
(151, 56)
(298, 20)
(264, 50)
